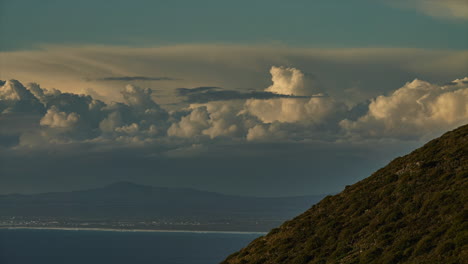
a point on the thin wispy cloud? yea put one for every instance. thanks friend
(446, 9)
(208, 94)
(236, 68)
(136, 78)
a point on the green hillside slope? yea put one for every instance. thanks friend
(414, 210)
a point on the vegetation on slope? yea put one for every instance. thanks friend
(414, 210)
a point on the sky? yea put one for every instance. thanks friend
(260, 98)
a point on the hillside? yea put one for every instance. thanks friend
(134, 203)
(414, 210)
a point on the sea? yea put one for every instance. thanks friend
(44, 246)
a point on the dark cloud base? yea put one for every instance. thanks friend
(208, 94)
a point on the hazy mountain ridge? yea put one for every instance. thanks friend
(414, 210)
(125, 201)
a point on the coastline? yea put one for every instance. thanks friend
(135, 230)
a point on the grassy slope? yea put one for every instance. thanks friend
(414, 210)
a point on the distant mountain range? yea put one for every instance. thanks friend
(130, 203)
(414, 210)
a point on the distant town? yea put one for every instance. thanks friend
(154, 224)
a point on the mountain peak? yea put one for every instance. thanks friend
(126, 187)
(126, 184)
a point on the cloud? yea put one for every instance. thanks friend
(136, 78)
(287, 110)
(233, 67)
(418, 108)
(289, 81)
(68, 117)
(259, 118)
(111, 122)
(55, 119)
(227, 139)
(190, 125)
(402, 115)
(138, 97)
(266, 132)
(196, 90)
(212, 120)
(225, 120)
(228, 132)
(132, 129)
(14, 97)
(451, 9)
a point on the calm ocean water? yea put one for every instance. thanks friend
(23, 246)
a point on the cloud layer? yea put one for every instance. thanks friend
(451, 9)
(135, 78)
(353, 74)
(52, 140)
(418, 109)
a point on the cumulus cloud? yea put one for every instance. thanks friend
(55, 119)
(213, 119)
(132, 129)
(111, 122)
(14, 97)
(252, 119)
(314, 110)
(141, 100)
(265, 132)
(68, 117)
(415, 109)
(225, 120)
(191, 125)
(135, 96)
(289, 81)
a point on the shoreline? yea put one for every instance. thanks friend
(136, 230)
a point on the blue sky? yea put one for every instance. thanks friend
(26, 24)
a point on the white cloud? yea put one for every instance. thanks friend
(224, 119)
(55, 119)
(14, 97)
(191, 125)
(12, 91)
(416, 109)
(291, 110)
(214, 119)
(289, 81)
(256, 118)
(75, 118)
(138, 97)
